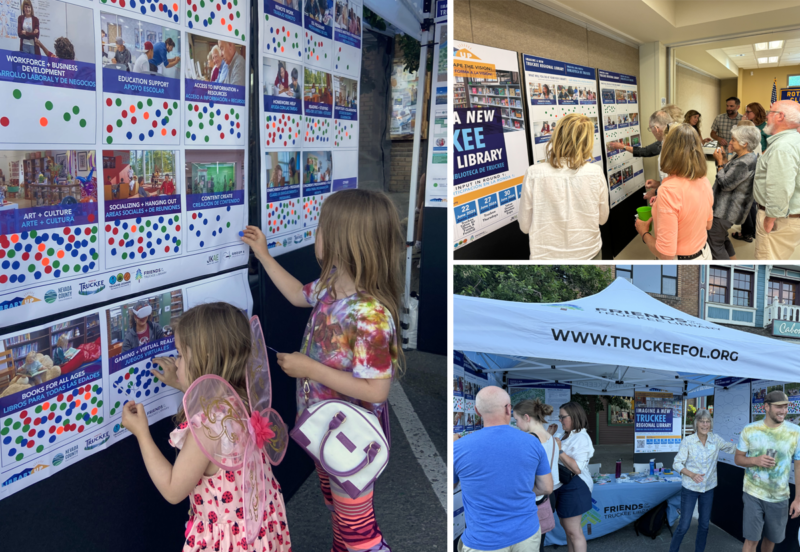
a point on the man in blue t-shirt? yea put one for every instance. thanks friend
(501, 470)
(157, 54)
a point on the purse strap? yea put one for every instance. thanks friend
(306, 385)
(371, 450)
(553, 437)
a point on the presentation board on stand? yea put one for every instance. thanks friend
(74, 375)
(107, 114)
(657, 422)
(490, 149)
(619, 95)
(553, 394)
(554, 89)
(309, 76)
(731, 412)
(436, 176)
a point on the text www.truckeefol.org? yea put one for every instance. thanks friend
(644, 344)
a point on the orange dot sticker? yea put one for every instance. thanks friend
(222, 21)
(230, 27)
(45, 406)
(45, 261)
(60, 254)
(41, 247)
(43, 121)
(60, 430)
(14, 238)
(133, 109)
(163, 132)
(77, 402)
(174, 7)
(146, 115)
(87, 396)
(94, 411)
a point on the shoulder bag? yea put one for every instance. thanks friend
(543, 509)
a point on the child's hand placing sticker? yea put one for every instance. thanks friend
(169, 374)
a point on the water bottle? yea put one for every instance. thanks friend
(619, 469)
(652, 466)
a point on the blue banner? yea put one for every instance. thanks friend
(345, 184)
(478, 143)
(214, 92)
(315, 26)
(345, 113)
(316, 109)
(88, 372)
(466, 211)
(123, 209)
(283, 104)
(143, 352)
(653, 420)
(610, 76)
(196, 202)
(507, 196)
(20, 67)
(282, 193)
(135, 84)
(43, 218)
(348, 38)
(441, 8)
(318, 188)
(283, 12)
(542, 65)
(486, 204)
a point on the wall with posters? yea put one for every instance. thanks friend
(657, 422)
(72, 376)
(554, 89)
(490, 149)
(96, 204)
(554, 394)
(309, 77)
(621, 125)
(436, 175)
(731, 411)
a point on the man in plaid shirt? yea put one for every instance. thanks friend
(724, 123)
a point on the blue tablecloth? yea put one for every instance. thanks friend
(616, 505)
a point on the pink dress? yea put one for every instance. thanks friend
(217, 520)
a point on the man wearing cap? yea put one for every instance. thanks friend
(767, 449)
(122, 55)
(142, 330)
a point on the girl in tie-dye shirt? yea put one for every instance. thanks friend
(350, 348)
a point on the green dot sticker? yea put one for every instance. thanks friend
(48, 105)
(17, 93)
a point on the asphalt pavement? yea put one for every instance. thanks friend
(407, 506)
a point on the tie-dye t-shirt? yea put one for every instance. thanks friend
(770, 485)
(355, 334)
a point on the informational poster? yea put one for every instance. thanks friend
(620, 120)
(731, 411)
(553, 394)
(466, 384)
(436, 175)
(554, 89)
(69, 379)
(792, 94)
(106, 183)
(657, 423)
(490, 149)
(309, 71)
(760, 389)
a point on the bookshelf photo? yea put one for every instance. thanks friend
(503, 92)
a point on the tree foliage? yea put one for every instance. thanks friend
(531, 283)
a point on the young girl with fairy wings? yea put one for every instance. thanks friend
(350, 347)
(228, 435)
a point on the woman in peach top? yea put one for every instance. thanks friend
(683, 209)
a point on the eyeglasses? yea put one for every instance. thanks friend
(747, 111)
(562, 417)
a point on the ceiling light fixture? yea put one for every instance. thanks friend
(776, 44)
(763, 60)
(773, 59)
(762, 46)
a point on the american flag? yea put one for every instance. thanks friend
(774, 97)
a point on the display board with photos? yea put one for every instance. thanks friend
(490, 148)
(436, 175)
(553, 90)
(731, 412)
(309, 72)
(63, 384)
(619, 95)
(123, 160)
(549, 393)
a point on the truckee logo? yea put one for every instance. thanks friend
(91, 287)
(18, 302)
(95, 442)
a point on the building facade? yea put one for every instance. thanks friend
(673, 285)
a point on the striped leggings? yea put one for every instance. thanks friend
(353, 520)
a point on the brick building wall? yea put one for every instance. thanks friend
(687, 299)
(402, 151)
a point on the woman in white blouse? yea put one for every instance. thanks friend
(574, 497)
(531, 416)
(565, 199)
(696, 461)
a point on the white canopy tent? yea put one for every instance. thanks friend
(614, 343)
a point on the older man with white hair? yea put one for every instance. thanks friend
(501, 470)
(777, 185)
(658, 124)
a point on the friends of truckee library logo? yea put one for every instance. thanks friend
(95, 442)
(138, 275)
(91, 287)
(18, 302)
(23, 474)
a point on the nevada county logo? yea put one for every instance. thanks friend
(57, 459)
(91, 287)
(51, 296)
(23, 474)
(138, 275)
(95, 442)
(18, 302)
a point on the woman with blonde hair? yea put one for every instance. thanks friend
(565, 200)
(675, 112)
(683, 210)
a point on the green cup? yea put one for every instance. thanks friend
(644, 212)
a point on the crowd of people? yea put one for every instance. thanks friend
(564, 200)
(513, 481)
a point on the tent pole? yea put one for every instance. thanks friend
(412, 195)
